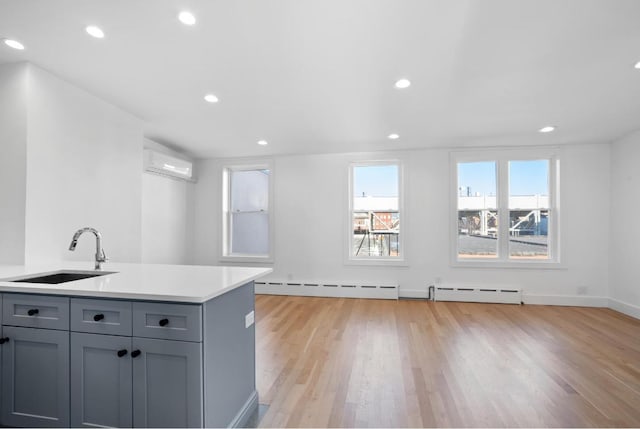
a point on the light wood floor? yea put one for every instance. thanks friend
(328, 362)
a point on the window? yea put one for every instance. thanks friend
(477, 210)
(505, 208)
(375, 210)
(529, 209)
(246, 206)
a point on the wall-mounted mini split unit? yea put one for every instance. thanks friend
(168, 165)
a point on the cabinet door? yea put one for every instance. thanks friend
(35, 377)
(1, 336)
(3, 341)
(167, 383)
(100, 380)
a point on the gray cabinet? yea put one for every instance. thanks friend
(151, 382)
(101, 380)
(165, 378)
(167, 383)
(35, 377)
(101, 316)
(35, 311)
(186, 365)
(181, 322)
(2, 340)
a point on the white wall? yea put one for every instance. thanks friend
(166, 216)
(625, 225)
(13, 140)
(310, 223)
(77, 162)
(83, 162)
(71, 160)
(207, 210)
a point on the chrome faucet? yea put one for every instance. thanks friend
(100, 256)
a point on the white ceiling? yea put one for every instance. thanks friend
(314, 76)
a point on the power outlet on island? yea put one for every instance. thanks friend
(249, 319)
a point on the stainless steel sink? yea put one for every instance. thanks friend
(57, 277)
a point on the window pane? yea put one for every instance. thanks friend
(249, 217)
(375, 244)
(249, 190)
(529, 209)
(477, 210)
(376, 217)
(250, 233)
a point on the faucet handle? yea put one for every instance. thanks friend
(102, 257)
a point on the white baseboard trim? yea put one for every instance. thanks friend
(531, 299)
(624, 308)
(566, 300)
(413, 293)
(240, 420)
(560, 300)
(328, 289)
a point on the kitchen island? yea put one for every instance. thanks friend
(141, 346)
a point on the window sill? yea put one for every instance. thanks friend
(377, 262)
(523, 265)
(247, 259)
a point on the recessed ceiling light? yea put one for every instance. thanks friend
(637, 65)
(211, 98)
(95, 31)
(263, 142)
(14, 44)
(547, 129)
(403, 83)
(393, 136)
(187, 18)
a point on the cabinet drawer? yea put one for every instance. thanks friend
(167, 321)
(98, 316)
(36, 311)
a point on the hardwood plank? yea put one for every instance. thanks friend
(333, 362)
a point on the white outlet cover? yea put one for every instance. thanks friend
(249, 319)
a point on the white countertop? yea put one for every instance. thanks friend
(177, 283)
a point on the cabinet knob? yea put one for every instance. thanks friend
(122, 352)
(163, 322)
(33, 312)
(135, 353)
(98, 317)
(4, 340)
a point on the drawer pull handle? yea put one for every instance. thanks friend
(33, 312)
(163, 322)
(98, 317)
(4, 340)
(122, 352)
(135, 353)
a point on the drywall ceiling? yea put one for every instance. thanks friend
(313, 76)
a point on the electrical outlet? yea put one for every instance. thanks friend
(249, 319)
(582, 290)
(437, 280)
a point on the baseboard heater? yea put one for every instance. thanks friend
(500, 295)
(328, 289)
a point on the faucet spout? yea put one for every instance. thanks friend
(100, 255)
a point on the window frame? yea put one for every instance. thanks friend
(502, 158)
(350, 258)
(226, 214)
